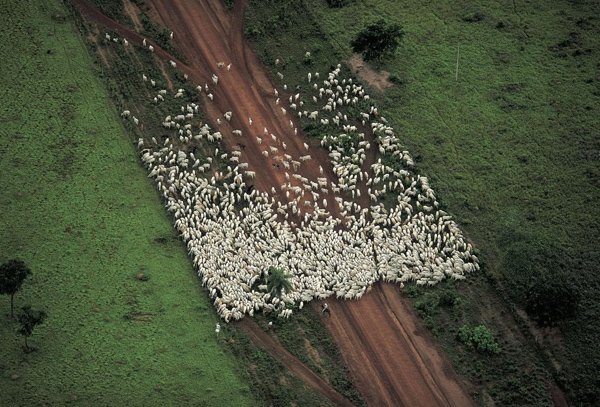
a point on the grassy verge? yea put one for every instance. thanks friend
(78, 208)
(511, 148)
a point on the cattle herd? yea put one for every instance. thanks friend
(369, 217)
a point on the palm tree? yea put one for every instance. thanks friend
(278, 282)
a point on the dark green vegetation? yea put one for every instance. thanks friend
(511, 147)
(378, 40)
(29, 318)
(12, 275)
(337, 3)
(79, 209)
(551, 300)
(478, 337)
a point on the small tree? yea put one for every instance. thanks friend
(29, 319)
(551, 299)
(378, 40)
(277, 282)
(12, 275)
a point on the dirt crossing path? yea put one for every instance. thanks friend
(392, 358)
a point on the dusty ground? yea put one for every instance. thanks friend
(391, 358)
(378, 80)
(134, 13)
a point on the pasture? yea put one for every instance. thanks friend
(511, 147)
(79, 209)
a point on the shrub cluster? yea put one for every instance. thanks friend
(478, 337)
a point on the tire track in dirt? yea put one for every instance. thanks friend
(392, 358)
(385, 383)
(387, 296)
(245, 90)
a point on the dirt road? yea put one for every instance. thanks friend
(390, 356)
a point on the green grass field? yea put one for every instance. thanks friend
(78, 208)
(511, 148)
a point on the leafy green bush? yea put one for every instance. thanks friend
(449, 298)
(395, 79)
(474, 17)
(479, 337)
(541, 281)
(113, 9)
(378, 40)
(427, 304)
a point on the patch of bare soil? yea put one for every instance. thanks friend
(548, 337)
(134, 13)
(312, 352)
(165, 75)
(102, 53)
(558, 396)
(378, 80)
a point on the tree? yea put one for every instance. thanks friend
(12, 275)
(378, 40)
(277, 282)
(551, 299)
(29, 319)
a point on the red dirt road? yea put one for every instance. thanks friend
(207, 34)
(391, 357)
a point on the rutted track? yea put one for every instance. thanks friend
(207, 34)
(391, 359)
